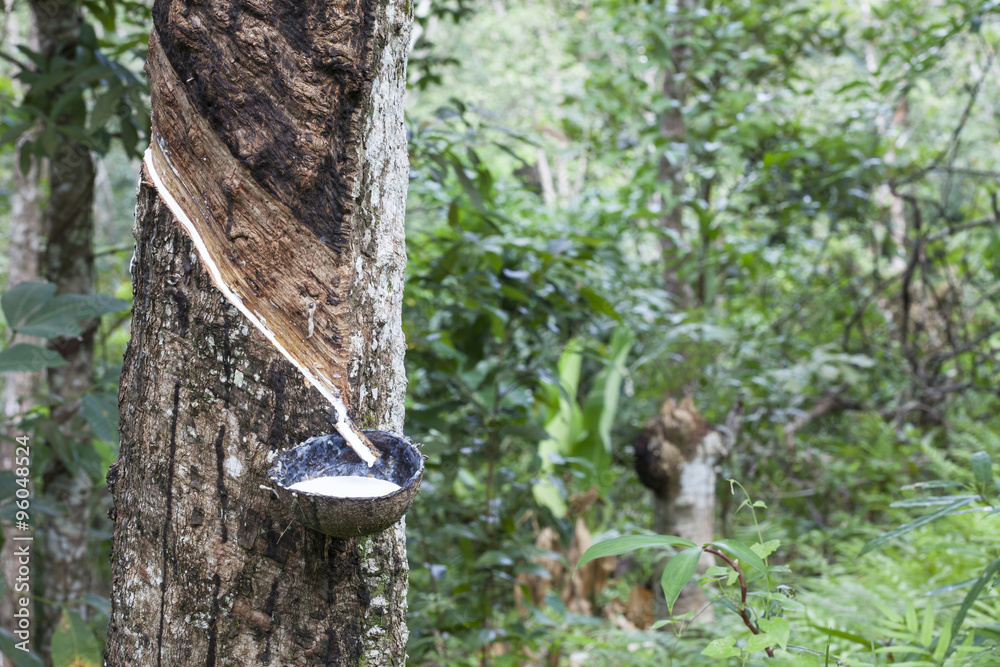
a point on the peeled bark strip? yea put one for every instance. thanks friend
(208, 567)
(288, 283)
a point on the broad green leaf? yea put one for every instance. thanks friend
(982, 468)
(25, 357)
(24, 298)
(8, 646)
(677, 572)
(758, 643)
(970, 598)
(627, 543)
(101, 412)
(913, 525)
(105, 105)
(765, 549)
(101, 604)
(565, 426)
(599, 303)
(549, 495)
(61, 315)
(722, 648)
(777, 628)
(601, 407)
(74, 643)
(743, 552)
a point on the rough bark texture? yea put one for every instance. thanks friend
(68, 262)
(208, 567)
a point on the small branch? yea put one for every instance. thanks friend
(744, 614)
(15, 61)
(831, 402)
(955, 229)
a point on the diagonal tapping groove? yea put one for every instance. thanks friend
(286, 281)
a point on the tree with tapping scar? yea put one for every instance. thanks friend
(267, 286)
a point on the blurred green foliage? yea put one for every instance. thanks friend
(838, 257)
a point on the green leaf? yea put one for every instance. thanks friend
(758, 643)
(74, 643)
(8, 646)
(677, 573)
(25, 357)
(743, 552)
(913, 525)
(722, 648)
(627, 543)
(927, 627)
(24, 298)
(599, 303)
(101, 412)
(765, 549)
(973, 595)
(61, 315)
(8, 485)
(777, 628)
(101, 604)
(982, 468)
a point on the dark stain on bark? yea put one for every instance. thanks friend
(303, 159)
(227, 367)
(182, 311)
(213, 621)
(274, 550)
(167, 519)
(221, 480)
(269, 605)
(276, 434)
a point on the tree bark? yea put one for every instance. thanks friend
(68, 262)
(19, 388)
(208, 568)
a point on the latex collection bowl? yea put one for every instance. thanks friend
(330, 456)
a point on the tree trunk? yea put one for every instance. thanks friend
(208, 568)
(679, 452)
(674, 132)
(68, 262)
(19, 388)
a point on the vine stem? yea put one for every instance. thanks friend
(744, 614)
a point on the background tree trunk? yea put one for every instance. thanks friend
(679, 453)
(19, 388)
(68, 262)
(207, 566)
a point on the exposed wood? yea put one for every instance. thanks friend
(275, 270)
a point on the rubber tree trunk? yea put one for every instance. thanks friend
(208, 568)
(68, 262)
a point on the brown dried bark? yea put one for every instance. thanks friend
(208, 567)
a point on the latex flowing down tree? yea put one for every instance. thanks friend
(267, 287)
